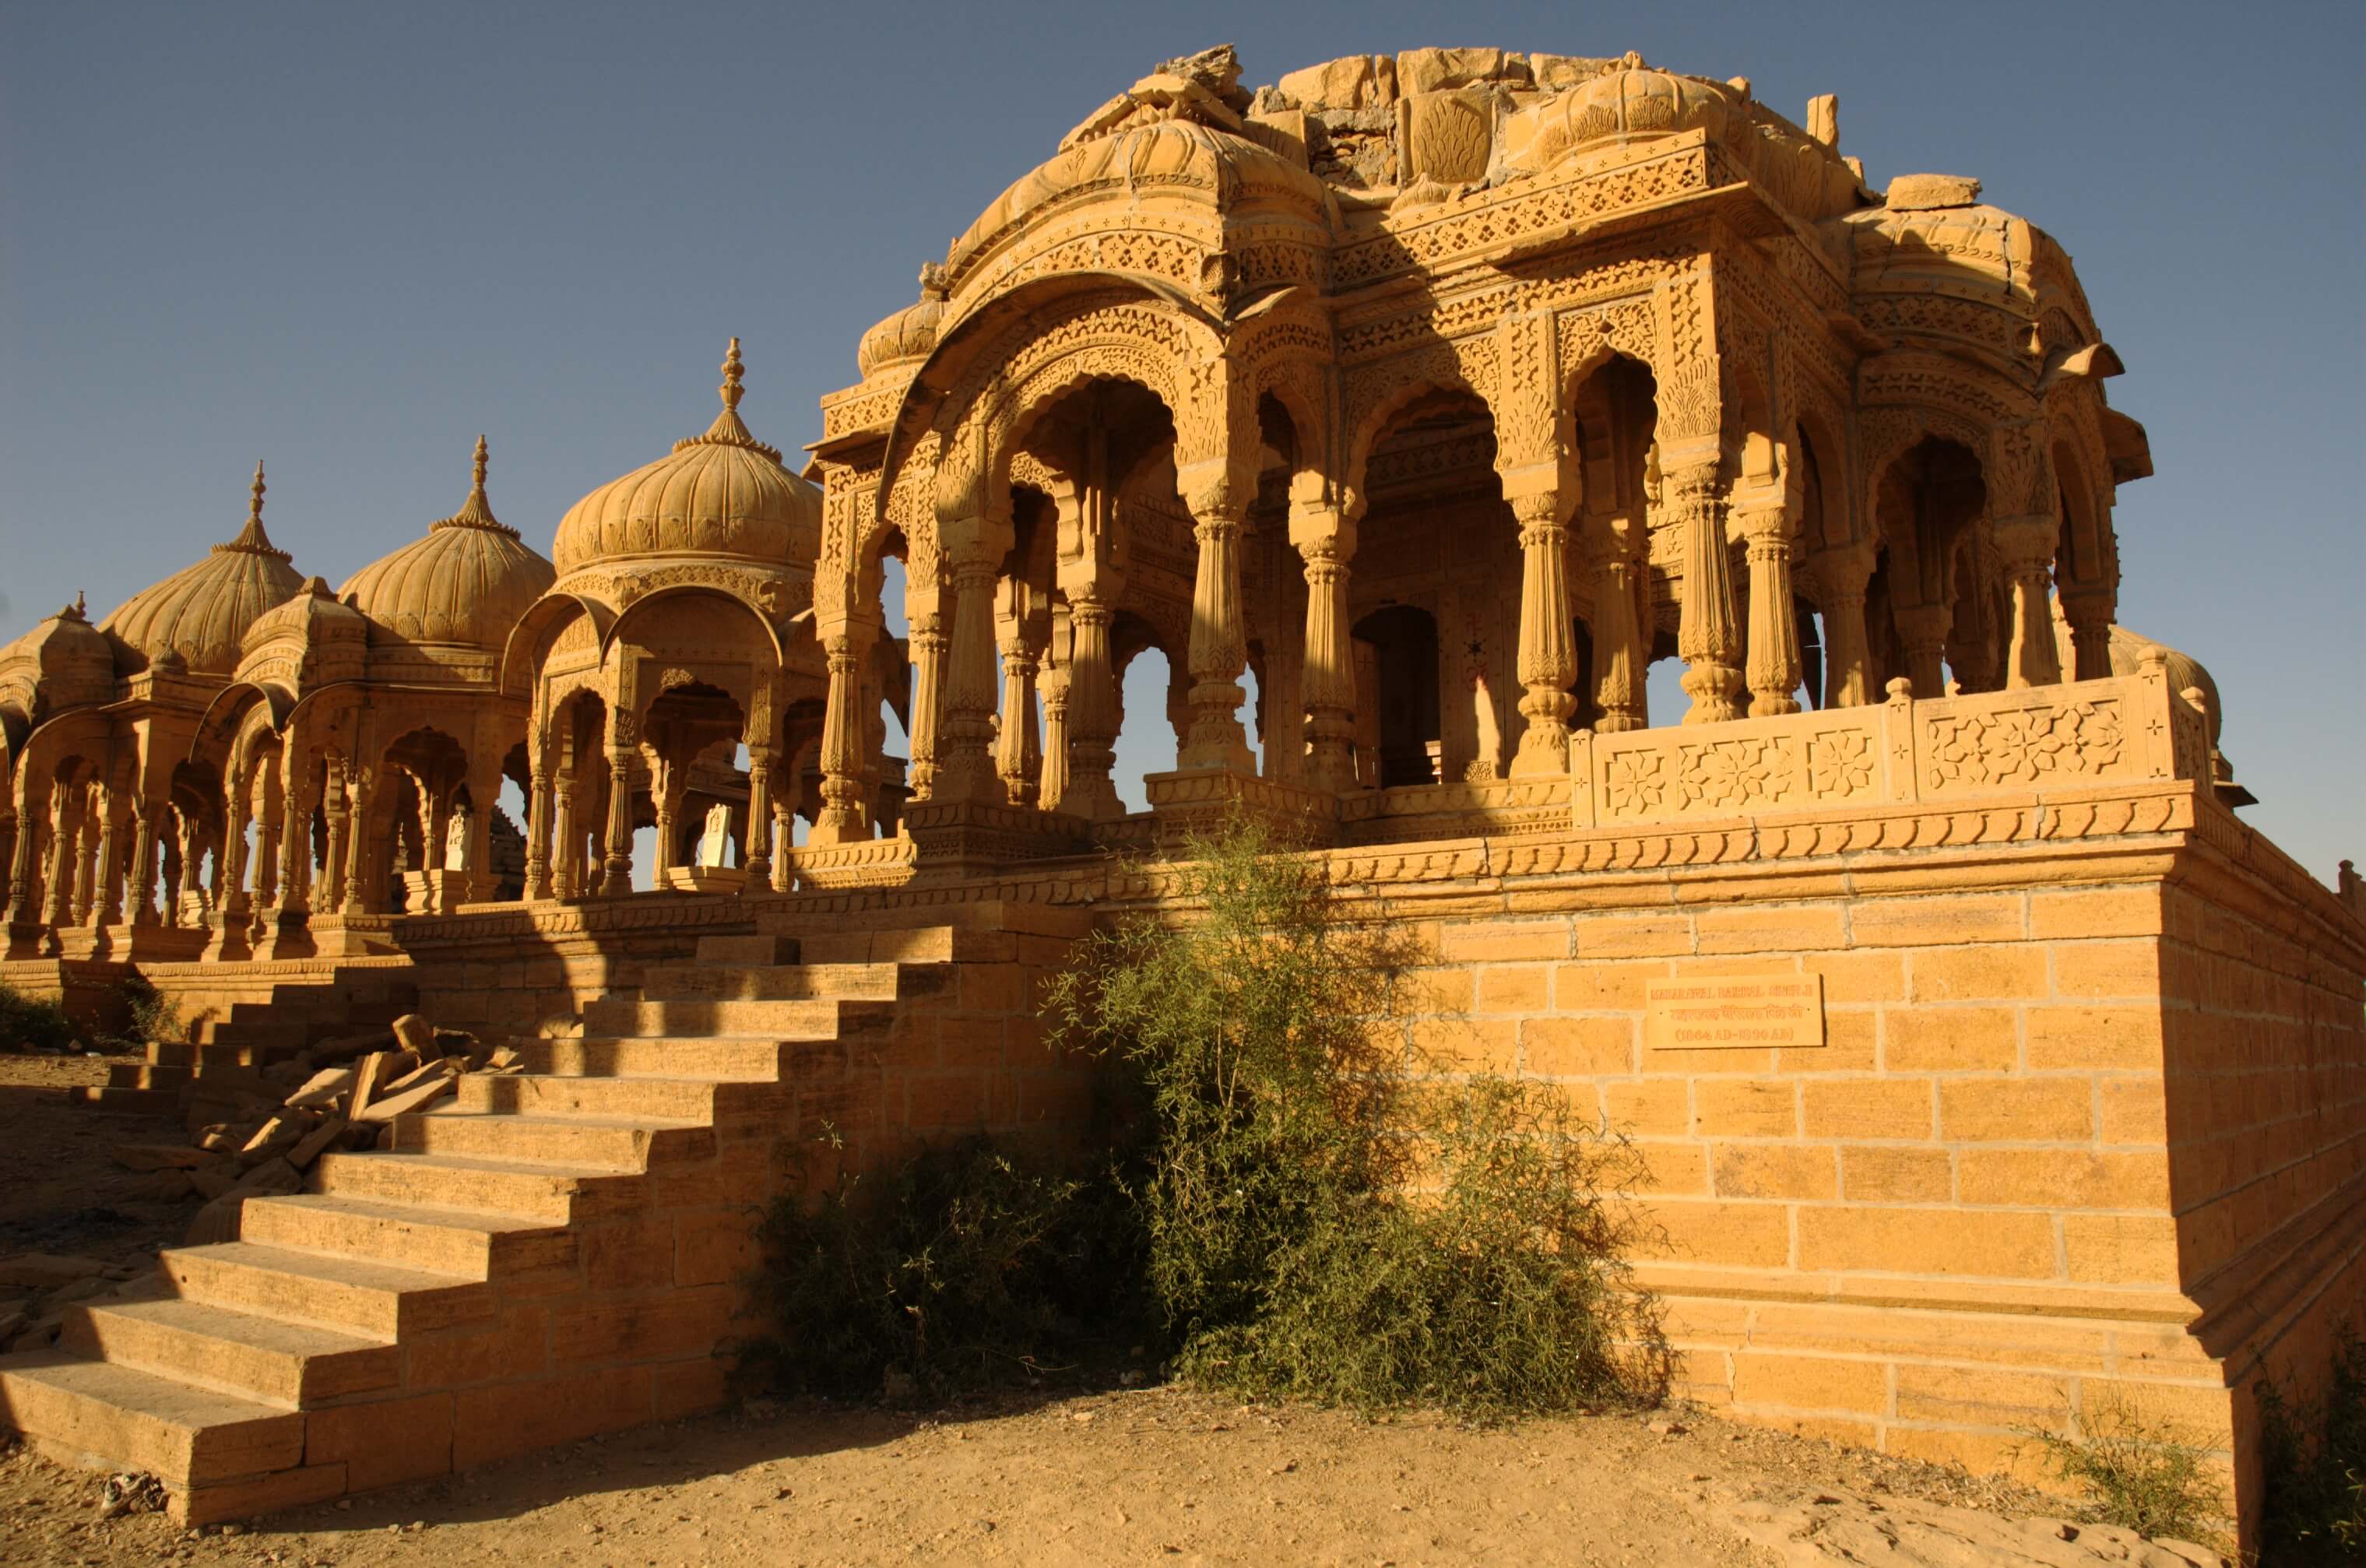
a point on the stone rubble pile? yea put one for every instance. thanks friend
(253, 1134)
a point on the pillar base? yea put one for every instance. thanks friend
(286, 933)
(955, 839)
(703, 879)
(1189, 803)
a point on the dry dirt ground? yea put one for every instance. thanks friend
(1116, 1476)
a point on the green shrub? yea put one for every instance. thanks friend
(2313, 1455)
(31, 1023)
(966, 1268)
(1331, 1215)
(152, 1018)
(2141, 1474)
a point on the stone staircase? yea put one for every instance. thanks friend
(237, 1034)
(550, 1256)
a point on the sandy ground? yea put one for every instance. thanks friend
(1116, 1476)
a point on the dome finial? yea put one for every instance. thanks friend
(726, 430)
(252, 539)
(475, 511)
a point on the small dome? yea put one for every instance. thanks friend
(910, 334)
(61, 662)
(469, 580)
(1631, 102)
(721, 493)
(1156, 137)
(312, 615)
(195, 617)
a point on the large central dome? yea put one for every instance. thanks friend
(723, 494)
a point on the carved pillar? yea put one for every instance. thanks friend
(1773, 660)
(24, 863)
(844, 818)
(2089, 616)
(106, 903)
(758, 860)
(94, 826)
(1052, 783)
(1621, 651)
(1092, 710)
(785, 825)
(295, 831)
(1018, 753)
(666, 785)
(1547, 655)
(926, 642)
(65, 820)
(1710, 633)
(564, 882)
(2027, 545)
(538, 804)
(334, 874)
(1922, 638)
(1326, 538)
(1220, 649)
(964, 761)
(267, 838)
(617, 880)
(362, 883)
(1368, 715)
(1839, 580)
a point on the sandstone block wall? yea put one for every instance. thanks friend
(2096, 1139)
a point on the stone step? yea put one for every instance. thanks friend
(323, 1289)
(748, 1059)
(916, 944)
(793, 1020)
(747, 950)
(494, 1186)
(268, 1360)
(683, 1098)
(135, 1101)
(282, 1035)
(614, 1143)
(132, 1419)
(469, 1244)
(792, 982)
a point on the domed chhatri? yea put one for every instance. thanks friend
(723, 494)
(1455, 394)
(198, 616)
(465, 582)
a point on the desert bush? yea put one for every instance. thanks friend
(1330, 1213)
(2313, 1456)
(2140, 1473)
(151, 1018)
(32, 1023)
(970, 1265)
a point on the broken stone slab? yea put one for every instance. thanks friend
(449, 1067)
(1356, 81)
(276, 1136)
(65, 1296)
(1924, 193)
(213, 1181)
(316, 1143)
(324, 1088)
(273, 1178)
(40, 1334)
(158, 1157)
(1435, 70)
(168, 1186)
(217, 1222)
(13, 1322)
(352, 1047)
(376, 1070)
(46, 1270)
(415, 1034)
(417, 1097)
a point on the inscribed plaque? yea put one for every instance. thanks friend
(1733, 1011)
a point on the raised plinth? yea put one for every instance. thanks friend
(1200, 802)
(955, 839)
(703, 879)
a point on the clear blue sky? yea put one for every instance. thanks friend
(347, 239)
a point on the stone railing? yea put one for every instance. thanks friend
(2119, 730)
